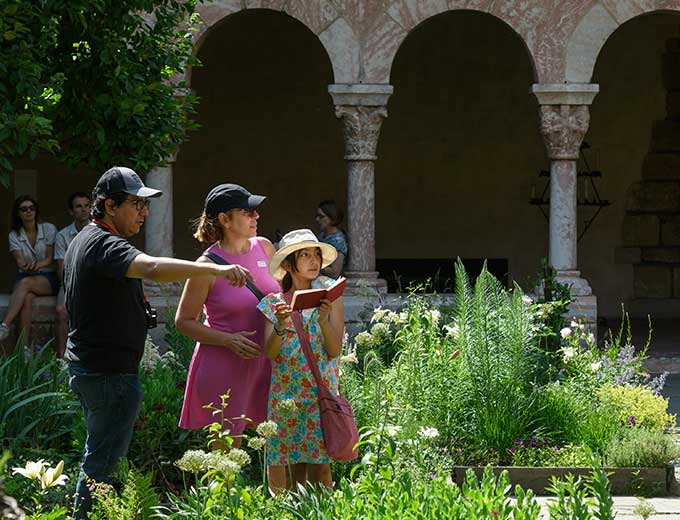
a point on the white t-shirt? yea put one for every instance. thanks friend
(63, 239)
(45, 237)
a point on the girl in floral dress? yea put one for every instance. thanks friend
(297, 454)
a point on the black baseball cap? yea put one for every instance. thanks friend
(120, 179)
(224, 197)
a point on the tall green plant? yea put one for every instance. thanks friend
(499, 360)
(36, 408)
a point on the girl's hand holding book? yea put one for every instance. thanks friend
(282, 311)
(324, 310)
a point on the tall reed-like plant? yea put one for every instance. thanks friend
(36, 407)
(499, 354)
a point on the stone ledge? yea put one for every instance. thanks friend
(661, 481)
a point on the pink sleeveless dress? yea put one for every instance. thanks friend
(215, 369)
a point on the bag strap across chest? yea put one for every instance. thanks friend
(249, 283)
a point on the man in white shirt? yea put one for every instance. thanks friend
(79, 208)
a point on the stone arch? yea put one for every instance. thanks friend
(390, 30)
(590, 35)
(319, 16)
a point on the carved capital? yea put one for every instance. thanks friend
(563, 128)
(361, 127)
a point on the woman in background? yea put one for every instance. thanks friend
(329, 217)
(31, 243)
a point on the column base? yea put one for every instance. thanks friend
(584, 306)
(577, 285)
(364, 283)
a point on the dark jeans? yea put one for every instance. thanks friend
(110, 403)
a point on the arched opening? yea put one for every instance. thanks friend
(458, 154)
(267, 122)
(632, 255)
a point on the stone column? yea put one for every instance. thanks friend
(158, 238)
(158, 228)
(362, 109)
(565, 116)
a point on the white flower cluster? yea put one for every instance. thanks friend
(230, 463)
(257, 443)
(388, 317)
(285, 407)
(452, 330)
(428, 433)
(152, 356)
(380, 332)
(267, 429)
(364, 339)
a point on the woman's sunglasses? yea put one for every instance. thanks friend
(26, 209)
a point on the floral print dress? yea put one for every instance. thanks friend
(299, 438)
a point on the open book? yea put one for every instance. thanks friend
(310, 298)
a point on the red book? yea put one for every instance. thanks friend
(310, 298)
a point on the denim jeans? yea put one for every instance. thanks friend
(110, 404)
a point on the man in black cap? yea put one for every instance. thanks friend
(109, 316)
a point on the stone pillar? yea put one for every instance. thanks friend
(362, 109)
(565, 116)
(158, 238)
(158, 227)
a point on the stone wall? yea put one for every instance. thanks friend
(651, 226)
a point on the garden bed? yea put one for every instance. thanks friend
(624, 481)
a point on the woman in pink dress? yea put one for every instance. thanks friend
(228, 355)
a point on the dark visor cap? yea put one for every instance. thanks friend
(120, 179)
(224, 197)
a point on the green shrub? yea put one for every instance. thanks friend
(373, 498)
(640, 448)
(637, 405)
(538, 452)
(500, 361)
(136, 501)
(37, 409)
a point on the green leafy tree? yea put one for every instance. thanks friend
(95, 82)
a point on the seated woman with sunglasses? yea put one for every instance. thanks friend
(31, 243)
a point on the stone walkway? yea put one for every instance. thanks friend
(667, 508)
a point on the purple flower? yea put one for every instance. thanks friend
(631, 420)
(520, 442)
(433, 475)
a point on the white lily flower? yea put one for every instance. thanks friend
(32, 470)
(565, 332)
(53, 476)
(349, 358)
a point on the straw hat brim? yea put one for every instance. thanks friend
(328, 254)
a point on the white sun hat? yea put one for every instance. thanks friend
(294, 241)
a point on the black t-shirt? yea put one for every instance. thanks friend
(106, 313)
